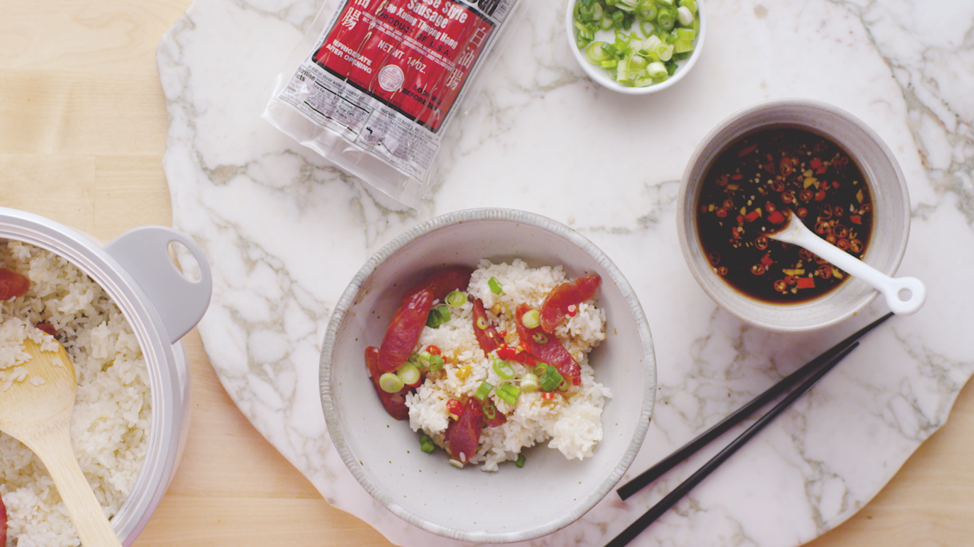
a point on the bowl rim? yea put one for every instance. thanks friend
(787, 103)
(489, 214)
(599, 76)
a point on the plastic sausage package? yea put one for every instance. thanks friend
(373, 87)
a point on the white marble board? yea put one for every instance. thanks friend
(285, 233)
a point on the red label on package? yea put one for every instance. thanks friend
(413, 55)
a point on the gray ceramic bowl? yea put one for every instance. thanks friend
(512, 504)
(891, 217)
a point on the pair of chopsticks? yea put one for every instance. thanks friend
(808, 375)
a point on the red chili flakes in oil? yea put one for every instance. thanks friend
(751, 187)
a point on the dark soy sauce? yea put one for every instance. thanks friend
(749, 191)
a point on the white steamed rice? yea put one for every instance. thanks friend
(570, 423)
(110, 422)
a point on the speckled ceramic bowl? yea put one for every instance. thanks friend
(891, 217)
(512, 504)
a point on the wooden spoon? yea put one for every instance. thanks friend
(40, 417)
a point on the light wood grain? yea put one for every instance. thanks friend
(82, 133)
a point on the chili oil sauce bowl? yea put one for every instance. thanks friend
(604, 78)
(889, 221)
(161, 304)
(511, 504)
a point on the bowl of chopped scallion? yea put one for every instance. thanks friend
(636, 46)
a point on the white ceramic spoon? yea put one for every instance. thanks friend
(40, 417)
(904, 295)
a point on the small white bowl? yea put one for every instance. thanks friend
(511, 504)
(601, 76)
(891, 216)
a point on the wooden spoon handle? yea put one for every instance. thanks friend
(54, 449)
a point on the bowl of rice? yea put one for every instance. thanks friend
(119, 311)
(519, 420)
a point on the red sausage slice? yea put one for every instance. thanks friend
(463, 435)
(547, 349)
(404, 330)
(443, 282)
(569, 293)
(394, 403)
(483, 329)
(12, 284)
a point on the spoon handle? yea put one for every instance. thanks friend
(54, 448)
(904, 295)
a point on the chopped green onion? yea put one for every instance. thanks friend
(520, 461)
(684, 15)
(540, 338)
(409, 374)
(503, 369)
(682, 46)
(509, 393)
(531, 319)
(666, 19)
(540, 369)
(390, 382)
(490, 411)
(529, 383)
(436, 363)
(456, 299)
(482, 323)
(426, 444)
(596, 52)
(438, 316)
(483, 390)
(495, 285)
(657, 71)
(550, 380)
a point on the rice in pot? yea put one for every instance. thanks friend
(110, 421)
(571, 424)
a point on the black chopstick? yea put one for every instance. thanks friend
(667, 463)
(684, 488)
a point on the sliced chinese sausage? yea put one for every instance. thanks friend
(570, 293)
(463, 435)
(546, 348)
(442, 282)
(483, 329)
(404, 330)
(394, 403)
(12, 284)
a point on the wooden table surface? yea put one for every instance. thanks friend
(82, 134)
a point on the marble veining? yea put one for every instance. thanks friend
(285, 232)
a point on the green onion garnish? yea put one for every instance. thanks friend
(495, 285)
(503, 369)
(550, 380)
(539, 338)
(482, 323)
(642, 32)
(509, 393)
(490, 411)
(390, 382)
(408, 373)
(520, 461)
(529, 383)
(436, 363)
(540, 369)
(438, 316)
(426, 444)
(531, 319)
(456, 299)
(483, 391)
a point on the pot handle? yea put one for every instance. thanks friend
(180, 301)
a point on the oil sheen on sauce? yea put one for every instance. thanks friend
(749, 191)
